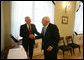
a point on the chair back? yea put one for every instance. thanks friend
(69, 38)
(62, 39)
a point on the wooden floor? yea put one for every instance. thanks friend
(67, 55)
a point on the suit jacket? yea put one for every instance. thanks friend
(51, 37)
(24, 32)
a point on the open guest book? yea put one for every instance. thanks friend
(17, 53)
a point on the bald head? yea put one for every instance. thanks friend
(45, 21)
(28, 20)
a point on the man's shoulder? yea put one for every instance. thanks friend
(52, 25)
(32, 24)
(23, 25)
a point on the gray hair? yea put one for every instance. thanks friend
(46, 18)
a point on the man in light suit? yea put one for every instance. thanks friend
(27, 31)
(50, 38)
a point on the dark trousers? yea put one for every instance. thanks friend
(50, 55)
(29, 48)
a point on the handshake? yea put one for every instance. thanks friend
(31, 36)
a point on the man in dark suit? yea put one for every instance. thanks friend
(27, 31)
(50, 38)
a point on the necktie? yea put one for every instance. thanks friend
(43, 30)
(29, 29)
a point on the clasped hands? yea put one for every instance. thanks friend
(31, 36)
(49, 48)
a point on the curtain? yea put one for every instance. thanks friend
(41, 9)
(36, 10)
(78, 28)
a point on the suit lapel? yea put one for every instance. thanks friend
(31, 28)
(26, 28)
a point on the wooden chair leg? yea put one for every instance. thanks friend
(73, 51)
(63, 54)
(79, 49)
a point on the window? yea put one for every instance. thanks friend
(36, 10)
(78, 27)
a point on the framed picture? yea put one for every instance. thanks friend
(64, 20)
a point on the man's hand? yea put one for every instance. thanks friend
(49, 48)
(31, 36)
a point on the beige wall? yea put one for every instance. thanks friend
(64, 29)
(2, 28)
(5, 24)
(7, 18)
